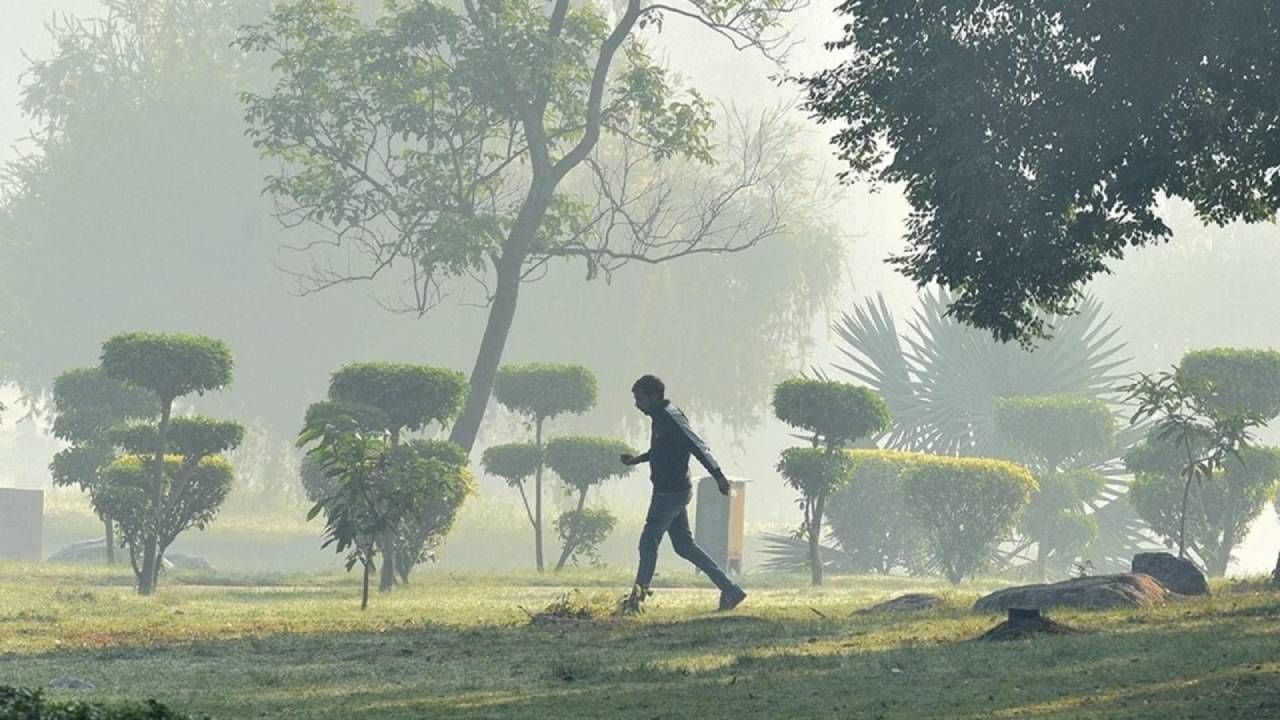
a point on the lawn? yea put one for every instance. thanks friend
(462, 645)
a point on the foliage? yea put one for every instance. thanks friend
(814, 471)
(344, 416)
(441, 139)
(1186, 416)
(581, 463)
(411, 396)
(542, 391)
(869, 517)
(1219, 510)
(87, 403)
(1057, 429)
(965, 505)
(942, 380)
(584, 462)
(1241, 379)
(400, 501)
(836, 413)
(170, 365)
(1030, 156)
(515, 462)
(1056, 518)
(189, 497)
(583, 530)
(193, 437)
(31, 705)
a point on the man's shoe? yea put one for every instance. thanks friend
(732, 598)
(630, 604)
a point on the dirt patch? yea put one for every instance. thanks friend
(1024, 625)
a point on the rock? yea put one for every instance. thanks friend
(70, 683)
(1024, 624)
(1177, 574)
(87, 552)
(1099, 592)
(911, 602)
(187, 562)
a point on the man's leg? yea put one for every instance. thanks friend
(682, 542)
(663, 508)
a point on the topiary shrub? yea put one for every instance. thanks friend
(869, 518)
(169, 365)
(583, 531)
(1241, 380)
(582, 463)
(965, 506)
(540, 392)
(1219, 511)
(835, 414)
(1053, 433)
(87, 404)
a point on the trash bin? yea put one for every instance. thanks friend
(718, 522)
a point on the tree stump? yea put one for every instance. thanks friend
(1025, 623)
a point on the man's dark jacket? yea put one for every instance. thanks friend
(671, 442)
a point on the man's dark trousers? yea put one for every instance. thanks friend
(668, 513)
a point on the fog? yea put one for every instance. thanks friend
(225, 273)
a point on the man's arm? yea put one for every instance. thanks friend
(629, 459)
(699, 449)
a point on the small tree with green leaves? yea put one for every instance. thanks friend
(1218, 512)
(86, 404)
(377, 490)
(1059, 436)
(402, 397)
(965, 505)
(1208, 408)
(170, 366)
(835, 414)
(582, 463)
(541, 392)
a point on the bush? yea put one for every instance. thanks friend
(583, 462)
(1242, 380)
(542, 391)
(1219, 511)
(1056, 429)
(838, 413)
(582, 531)
(514, 463)
(169, 364)
(410, 396)
(23, 704)
(965, 506)
(869, 518)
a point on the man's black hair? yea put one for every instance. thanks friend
(650, 385)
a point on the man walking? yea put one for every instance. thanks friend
(671, 443)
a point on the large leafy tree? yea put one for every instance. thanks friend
(1034, 140)
(449, 140)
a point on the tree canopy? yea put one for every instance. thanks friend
(1034, 141)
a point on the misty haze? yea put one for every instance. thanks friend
(713, 358)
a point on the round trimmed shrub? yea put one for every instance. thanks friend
(965, 506)
(1241, 380)
(514, 463)
(544, 390)
(411, 396)
(170, 365)
(838, 413)
(1056, 429)
(582, 462)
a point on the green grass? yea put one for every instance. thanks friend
(459, 645)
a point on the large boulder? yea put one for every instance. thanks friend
(1100, 592)
(1177, 574)
(911, 602)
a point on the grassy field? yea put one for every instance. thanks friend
(460, 645)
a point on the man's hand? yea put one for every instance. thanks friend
(723, 483)
(628, 459)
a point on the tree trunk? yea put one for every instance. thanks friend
(569, 545)
(364, 593)
(815, 537)
(1275, 574)
(111, 540)
(388, 580)
(537, 498)
(150, 558)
